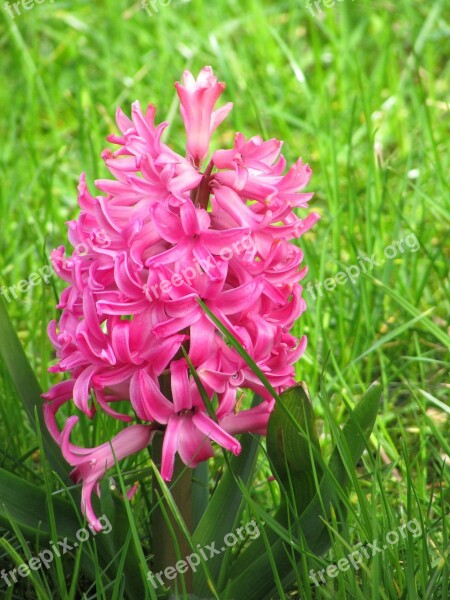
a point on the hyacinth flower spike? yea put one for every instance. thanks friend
(162, 233)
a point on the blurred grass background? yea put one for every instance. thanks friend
(361, 91)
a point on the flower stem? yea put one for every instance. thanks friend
(169, 542)
(200, 195)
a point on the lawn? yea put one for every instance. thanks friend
(360, 90)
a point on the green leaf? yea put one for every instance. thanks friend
(171, 507)
(203, 394)
(27, 386)
(122, 532)
(200, 492)
(350, 444)
(18, 560)
(439, 332)
(254, 580)
(225, 508)
(239, 349)
(294, 452)
(26, 504)
(291, 450)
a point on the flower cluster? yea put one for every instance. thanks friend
(163, 217)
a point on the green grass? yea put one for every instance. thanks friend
(362, 94)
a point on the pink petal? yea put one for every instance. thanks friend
(215, 432)
(81, 391)
(170, 446)
(193, 446)
(201, 340)
(148, 400)
(254, 419)
(181, 392)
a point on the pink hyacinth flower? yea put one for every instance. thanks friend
(91, 464)
(189, 429)
(161, 235)
(198, 98)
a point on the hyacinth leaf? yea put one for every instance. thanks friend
(239, 348)
(171, 507)
(225, 508)
(41, 593)
(254, 579)
(26, 504)
(351, 441)
(232, 341)
(294, 454)
(291, 451)
(200, 492)
(26, 507)
(204, 396)
(119, 542)
(27, 386)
